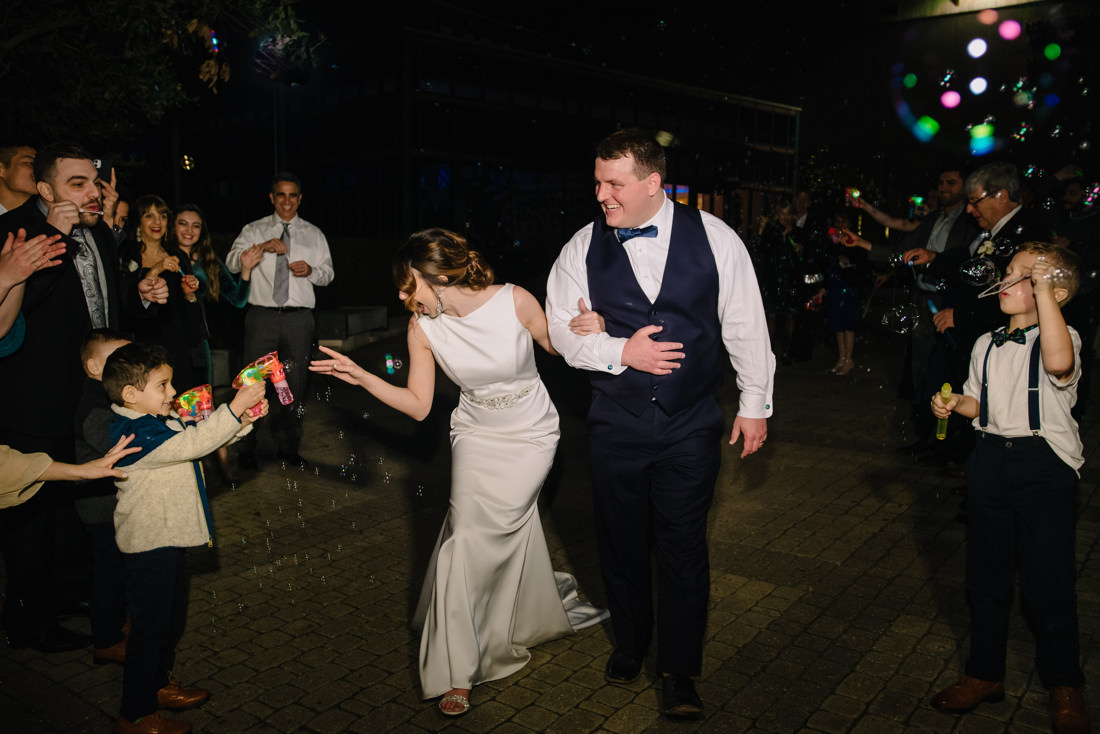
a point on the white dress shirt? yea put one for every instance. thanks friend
(306, 243)
(740, 310)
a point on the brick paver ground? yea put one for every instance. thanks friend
(837, 583)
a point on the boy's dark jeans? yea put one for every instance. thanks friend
(156, 596)
(1022, 502)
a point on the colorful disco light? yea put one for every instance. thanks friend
(978, 85)
(1010, 30)
(982, 140)
(1052, 51)
(950, 99)
(925, 128)
(976, 48)
(910, 80)
(987, 16)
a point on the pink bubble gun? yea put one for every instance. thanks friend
(197, 403)
(269, 367)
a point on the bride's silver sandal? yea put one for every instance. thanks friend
(454, 698)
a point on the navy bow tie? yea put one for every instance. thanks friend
(629, 233)
(1000, 336)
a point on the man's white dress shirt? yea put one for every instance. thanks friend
(740, 309)
(306, 243)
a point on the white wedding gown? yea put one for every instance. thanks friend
(490, 592)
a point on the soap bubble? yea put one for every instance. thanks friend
(901, 319)
(1004, 247)
(979, 271)
(897, 260)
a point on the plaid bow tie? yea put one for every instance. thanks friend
(629, 233)
(1000, 336)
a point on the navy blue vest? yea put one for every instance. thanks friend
(687, 308)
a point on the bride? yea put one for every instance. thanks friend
(490, 592)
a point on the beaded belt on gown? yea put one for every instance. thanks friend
(500, 402)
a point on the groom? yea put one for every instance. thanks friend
(676, 288)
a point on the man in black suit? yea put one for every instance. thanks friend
(946, 230)
(993, 200)
(44, 378)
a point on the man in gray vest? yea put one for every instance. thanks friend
(676, 290)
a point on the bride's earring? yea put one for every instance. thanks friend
(439, 302)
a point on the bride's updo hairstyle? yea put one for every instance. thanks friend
(443, 258)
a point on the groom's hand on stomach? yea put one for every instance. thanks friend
(646, 355)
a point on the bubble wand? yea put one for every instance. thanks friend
(941, 424)
(197, 403)
(1003, 285)
(266, 367)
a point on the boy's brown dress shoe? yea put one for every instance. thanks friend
(1068, 710)
(965, 695)
(152, 724)
(177, 698)
(116, 653)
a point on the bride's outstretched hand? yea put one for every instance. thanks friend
(339, 366)
(588, 322)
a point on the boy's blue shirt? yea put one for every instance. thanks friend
(149, 431)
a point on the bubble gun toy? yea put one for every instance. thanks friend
(267, 366)
(197, 403)
(941, 424)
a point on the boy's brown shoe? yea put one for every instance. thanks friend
(175, 697)
(965, 695)
(1068, 710)
(116, 653)
(152, 724)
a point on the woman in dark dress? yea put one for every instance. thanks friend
(178, 324)
(777, 256)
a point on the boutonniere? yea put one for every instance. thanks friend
(986, 248)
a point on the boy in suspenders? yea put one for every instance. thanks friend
(1022, 477)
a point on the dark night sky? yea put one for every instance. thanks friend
(842, 62)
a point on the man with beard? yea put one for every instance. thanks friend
(946, 230)
(44, 377)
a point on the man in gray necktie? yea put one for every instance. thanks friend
(281, 301)
(60, 305)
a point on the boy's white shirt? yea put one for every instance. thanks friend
(1009, 367)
